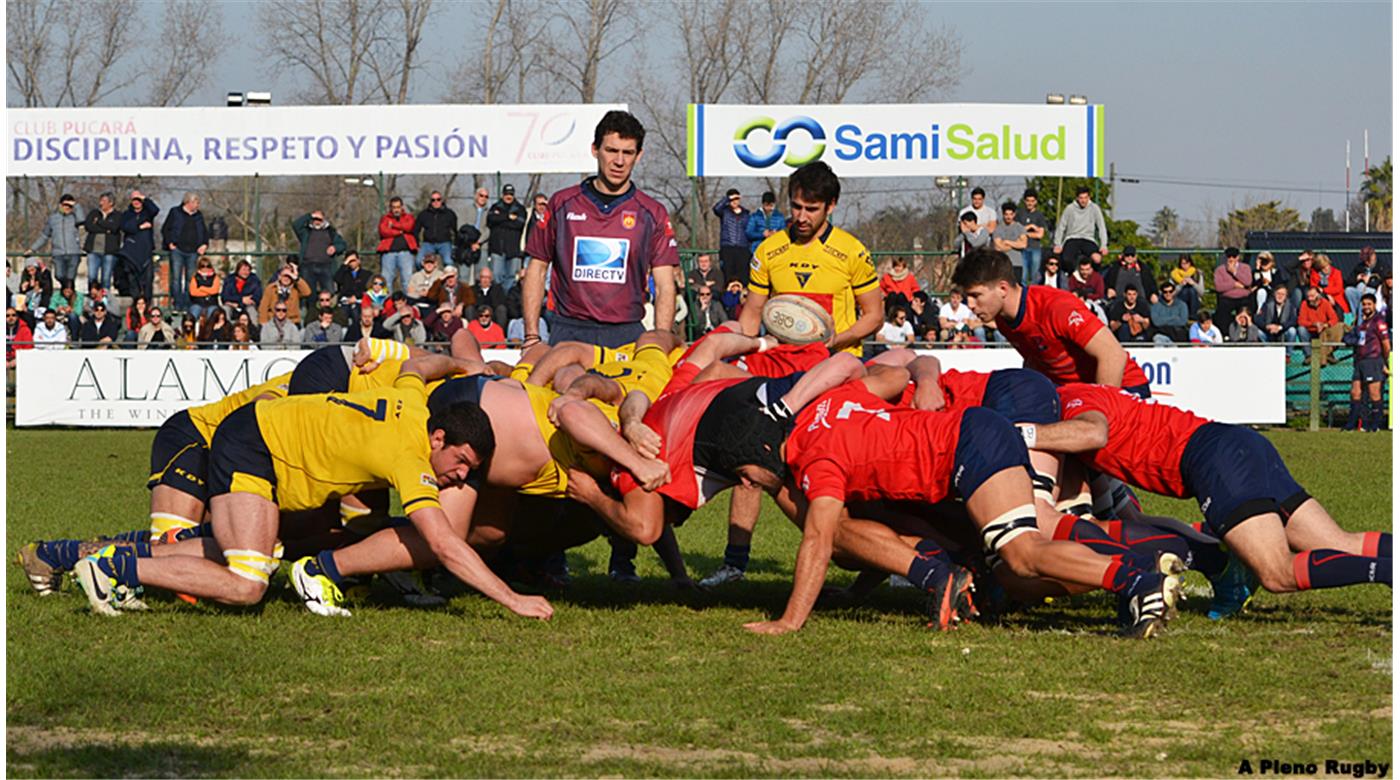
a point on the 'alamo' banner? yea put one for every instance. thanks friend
(301, 140)
(935, 139)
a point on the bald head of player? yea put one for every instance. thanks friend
(462, 441)
(617, 145)
(989, 283)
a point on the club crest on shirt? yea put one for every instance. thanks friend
(629, 219)
(1076, 319)
(428, 479)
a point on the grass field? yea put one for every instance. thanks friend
(648, 681)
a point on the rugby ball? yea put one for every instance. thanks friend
(793, 319)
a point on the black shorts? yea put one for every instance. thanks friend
(324, 371)
(1234, 473)
(1022, 396)
(1141, 391)
(457, 390)
(179, 458)
(239, 461)
(987, 444)
(1368, 370)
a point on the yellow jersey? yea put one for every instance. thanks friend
(564, 452)
(336, 444)
(648, 370)
(206, 418)
(831, 270)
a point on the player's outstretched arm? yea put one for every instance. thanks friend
(925, 371)
(566, 353)
(637, 433)
(431, 367)
(751, 316)
(452, 551)
(1084, 433)
(587, 425)
(829, 374)
(1110, 358)
(583, 388)
(813, 559)
(715, 347)
(639, 516)
(887, 382)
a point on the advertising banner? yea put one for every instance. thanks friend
(140, 389)
(301, 140)
(127, 388)
(954, 139)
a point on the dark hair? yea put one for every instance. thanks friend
(1030, 194)
(1165, 288)
(984, 266)
(465, 423)
(816, 181)
(1368, 297)
(1128, 251)
(769, 197)
(1081, 190)
(1231, 251)
(396, 199)
(977, 191)
(1084, 260)
(894, 312)
(1204, 315)
(1008, 206)
(731, 193)
(622, 123)
(968, 216)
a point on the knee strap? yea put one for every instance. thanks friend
(164, 522)
(251, 565)
(1001, 531)
(1043, 486)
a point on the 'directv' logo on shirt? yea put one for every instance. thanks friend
(600, 259)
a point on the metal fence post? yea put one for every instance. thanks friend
(1315, 386)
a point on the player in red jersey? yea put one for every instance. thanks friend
(1246, 493)
(1053, 330)
(851, 445)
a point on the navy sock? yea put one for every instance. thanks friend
(324, 563)
(1354, 417)
(1335, 569)
(737, 555)
(624, 555)
(1206, 558)
(142, 549)
(1375, 415)
(141, 535)
(1089, 534)
(924, 547)
(121, 566)
(61, 554)
(1381, 541)
(927, 568)
(203, 530)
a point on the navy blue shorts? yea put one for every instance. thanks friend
(1368, 370)
(987, 444)
(1022, 396)
(1141, 391)
(179, 458)
(454, 391)
(1234, 473)
(323, 371)
(239, 458)
(603, 334)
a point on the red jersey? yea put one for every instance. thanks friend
(782, 360)
(962, 390)
(851, 445)
(1145, 439)
(1050, 332)
(675, 417)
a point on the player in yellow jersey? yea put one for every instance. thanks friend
(178, 484)
(298, 453)
(815, 259)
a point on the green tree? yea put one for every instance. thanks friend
(1270, 215)
(1323, 221)
(1165, 224)
(1376, 192)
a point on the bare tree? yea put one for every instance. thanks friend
(189, 31)
(59, 56)
(590, 39)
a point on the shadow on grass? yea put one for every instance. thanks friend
(146, 759)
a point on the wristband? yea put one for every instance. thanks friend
(763, 345)
(530, 338)
(1028, 433)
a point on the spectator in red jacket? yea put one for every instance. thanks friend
(1328, 278)
(899, 282)
(1320, 320)
(17, 336)
(488, 333)
(1087, 279)
(397, 244)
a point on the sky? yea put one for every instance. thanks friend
(1256, 100)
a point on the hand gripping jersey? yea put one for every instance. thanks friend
(1145, 439)
(831, 269)
(601, 253)
(1050, 332)
(648, 369)
(676, 417)
(782, 360)
(851, 445)
(341, 443)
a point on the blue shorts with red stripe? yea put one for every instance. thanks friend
(987, 444)
(1022, 396)
(1234, 473)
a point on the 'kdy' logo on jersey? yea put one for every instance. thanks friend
(599, 259)
(629, 219)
